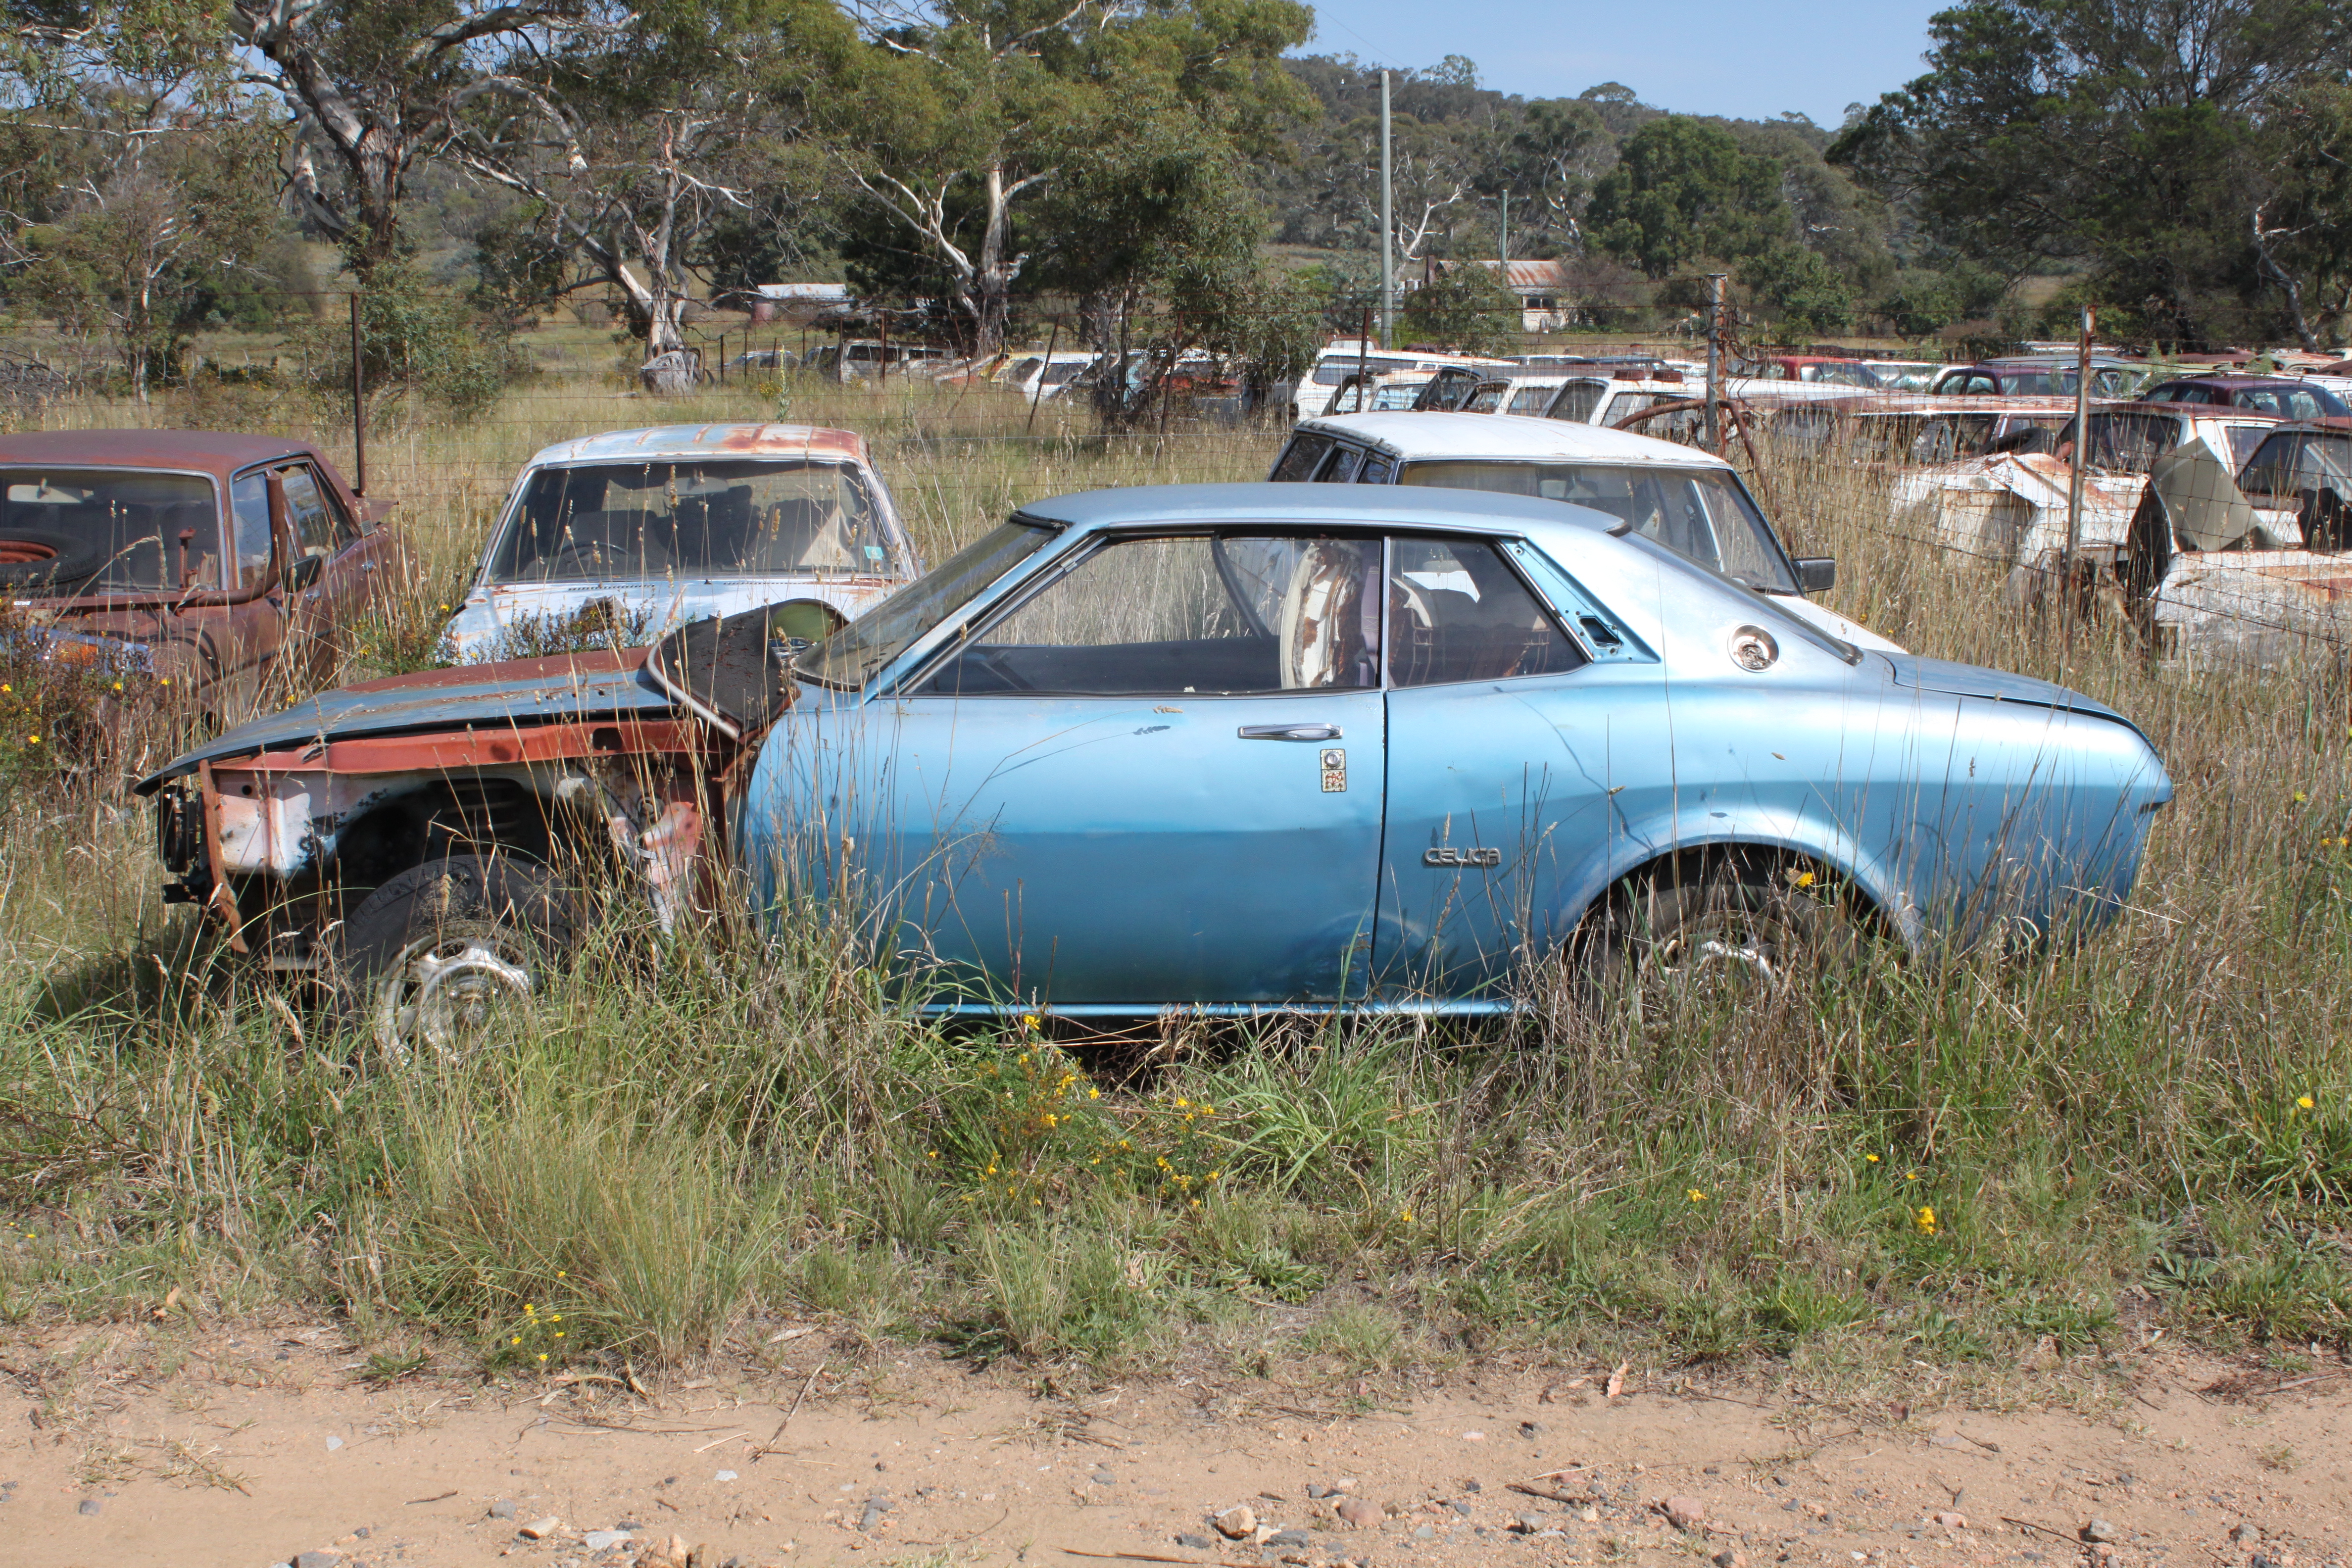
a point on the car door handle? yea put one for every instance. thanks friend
(1290, 732)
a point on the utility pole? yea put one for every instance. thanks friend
(1388, 229)
(1713, 358)
(1503, 252)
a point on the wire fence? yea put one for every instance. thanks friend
(962, 442)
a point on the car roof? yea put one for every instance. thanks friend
(1519, 436)
(2231, 381)
(1926, 403)
(2193, 411)
(1379, 506)
(209, 451)
(705, 441)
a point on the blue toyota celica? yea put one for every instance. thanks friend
(1226, 748)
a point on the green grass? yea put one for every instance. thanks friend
(1963, 1162)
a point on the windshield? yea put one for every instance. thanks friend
(739, 518)
(1578, 399)
(849, 657)
(1702, 515)
(110, 530)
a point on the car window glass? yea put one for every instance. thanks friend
(1577, 400)
(1299, 460)
(2128, 443)
(1486, 399)
(1195, 615)
(852, 656)
(1456, 612)
(306, 509)
(1375, 471)
(748, 517)
(1983, 386)
(2325, 463)
(1698, 513)
(2244, 440)
(1532, 400)
(1342, 465)
(249, 500)
(108, 529)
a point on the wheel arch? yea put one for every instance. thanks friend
(1873, 898)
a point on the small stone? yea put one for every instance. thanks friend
(600, 1540)
(1236, 1521)
(1287, 1537)
(1426, 1532)
(1684, 1512)
(1361, 1513)
(875, 1507)
(503, 1508)
(540, 1528)
(1474, 1437)
(2246, 1535)
(1530, 1428)
(1344, 1484)
(1526, 1524)
(724, 1476)
(1104, 1479)
(2259, 1560)
(673, 1553)
(1731, 1557)
(1712, 1470)
(89, 1505)
(1197, 1542)
(319, 1559)
(1316, 1490)
(1949, 1519)
(2100, 1531)
(333, 1442)
(1590, 1515)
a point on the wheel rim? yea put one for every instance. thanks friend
(1735, 952)
(445, 993)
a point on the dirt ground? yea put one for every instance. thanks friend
(248, 1448)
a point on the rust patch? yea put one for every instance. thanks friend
(789, 438)
(463, 750)
(220, 903)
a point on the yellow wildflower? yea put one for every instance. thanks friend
(1925, 1220)
(1695, 1195)
(2304, 1100)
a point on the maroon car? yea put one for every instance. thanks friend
(2282, 397)
(210, 560)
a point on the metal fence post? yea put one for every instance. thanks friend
(2080, 459)
(1714, 358)
(359, 405)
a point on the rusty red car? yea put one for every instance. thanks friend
(215, 560)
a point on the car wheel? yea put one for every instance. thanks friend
(432, 959)
(1734, 929)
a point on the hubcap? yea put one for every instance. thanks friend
(444, 994)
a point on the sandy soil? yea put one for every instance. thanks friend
(247, 1448)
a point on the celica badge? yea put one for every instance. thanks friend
(1335, 770)
(1483, 859)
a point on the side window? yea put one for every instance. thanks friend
(1342, 465)
(314, 524)
(2272, 471)
(1299, 460)
(248, 498)
(1375, 471)
(1252, 614)
(1457, 612)
(1532, 400)
(1982, 385)
(1578, 399)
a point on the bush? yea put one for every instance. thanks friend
(1465, 308)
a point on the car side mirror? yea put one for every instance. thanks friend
(1816, 574)
(303, 571)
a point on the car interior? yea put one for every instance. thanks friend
(660, 520)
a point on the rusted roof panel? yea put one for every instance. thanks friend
(207, 451)
(672, 442)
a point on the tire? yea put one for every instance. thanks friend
(429, 958)
(1730, 927)
(47, 559)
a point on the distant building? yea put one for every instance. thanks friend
(1541, 286)
(797, 301)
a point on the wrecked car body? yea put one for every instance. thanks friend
(2248, 568)
(1207, 749)
(195, 560)
(612, 540)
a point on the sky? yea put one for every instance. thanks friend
(1753, 61)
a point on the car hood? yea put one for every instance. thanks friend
(526, 692)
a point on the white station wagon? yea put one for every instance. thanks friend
(625, 535)
(1688, 499)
